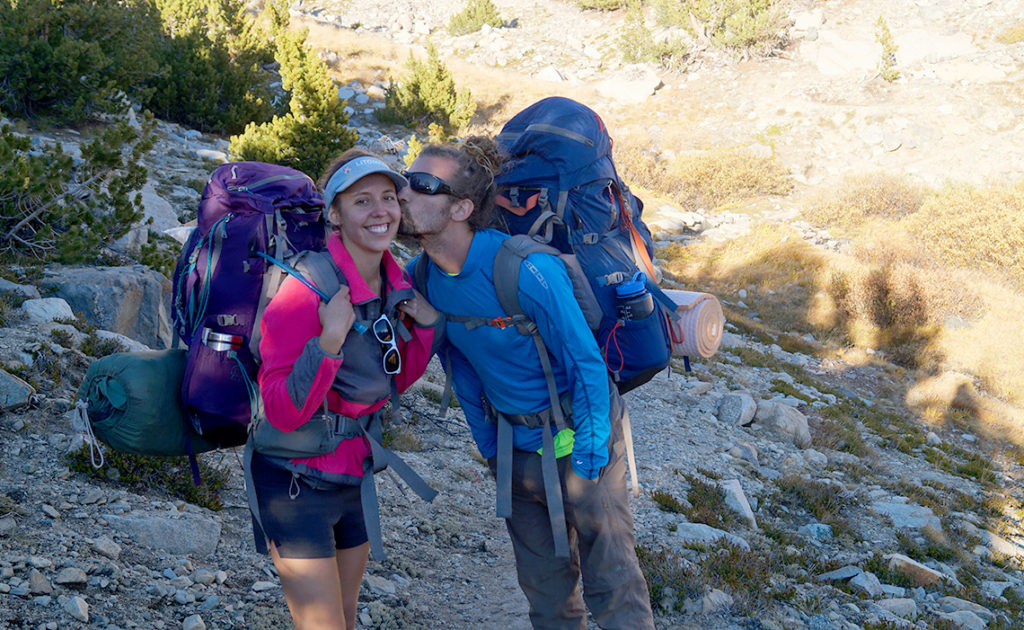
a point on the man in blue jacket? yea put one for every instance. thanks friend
(574, 518)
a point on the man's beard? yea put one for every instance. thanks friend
(406, 228)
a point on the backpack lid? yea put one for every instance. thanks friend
(556, 140)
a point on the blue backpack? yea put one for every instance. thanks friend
(560, 187)
(560, 195)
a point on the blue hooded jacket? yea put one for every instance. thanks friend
(502, 364)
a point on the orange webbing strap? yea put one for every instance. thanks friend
(643, 260)
(505, 203)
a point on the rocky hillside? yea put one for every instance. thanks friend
(779, 490)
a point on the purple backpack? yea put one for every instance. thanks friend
(252, 217)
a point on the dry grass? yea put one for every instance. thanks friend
(364, 59)
(711, 179)
(952, 401)
(779, 271)
(1012, 35)
(884, 296)
(864, 197)
(975, 227)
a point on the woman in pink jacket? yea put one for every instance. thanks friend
(329, 371)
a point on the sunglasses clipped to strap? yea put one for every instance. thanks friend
(384, 331)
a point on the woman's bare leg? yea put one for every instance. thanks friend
(313, 590)
(351, 566)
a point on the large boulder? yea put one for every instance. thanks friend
(157, 215)
(47, 310)
(185, 535)
(14, 392)
(134, 301)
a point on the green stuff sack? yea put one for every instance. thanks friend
(133, 403)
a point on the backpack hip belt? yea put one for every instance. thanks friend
(335, 428)
(321, 435)
(562, 419)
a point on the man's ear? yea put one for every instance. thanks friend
(462, 209)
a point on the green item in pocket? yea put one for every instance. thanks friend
(134, 403)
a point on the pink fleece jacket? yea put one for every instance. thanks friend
(289, 322)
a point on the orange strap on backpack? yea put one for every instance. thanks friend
(639, 249)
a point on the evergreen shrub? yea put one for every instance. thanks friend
(211, 59)
(638, 43)
(474, 16)
(315, 129)
(62, 62)
(201, 63)
(748, 26)
(435, 135)
(52, 208)
(427, 94)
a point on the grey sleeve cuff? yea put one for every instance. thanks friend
(304, 371)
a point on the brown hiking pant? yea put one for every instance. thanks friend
(601, 544)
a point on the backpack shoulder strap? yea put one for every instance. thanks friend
(507, 263)
(314, 269)
(419, 273)
(320, 269)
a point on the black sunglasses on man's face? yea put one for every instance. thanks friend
(427, 184)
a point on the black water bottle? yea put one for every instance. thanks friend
(632, 299)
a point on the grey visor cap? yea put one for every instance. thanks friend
(355, 170)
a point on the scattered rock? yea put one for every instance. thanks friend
(77, 607)
(24, 290)
(737, 500)
(379, 585)
(737, 408)
(71, 575)
(914, 570)
(816, 531)
(47, 310)
(840, 574)
(14, 392)
(714, 601)
(908, 515)
(866, 583)
(193, 622)
(701, 533)
(787, 421)
(188, 535)
(901, 607)
(106, 547)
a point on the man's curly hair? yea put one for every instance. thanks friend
(479, 160)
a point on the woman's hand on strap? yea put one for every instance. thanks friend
(420, 310)
(336, 319)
